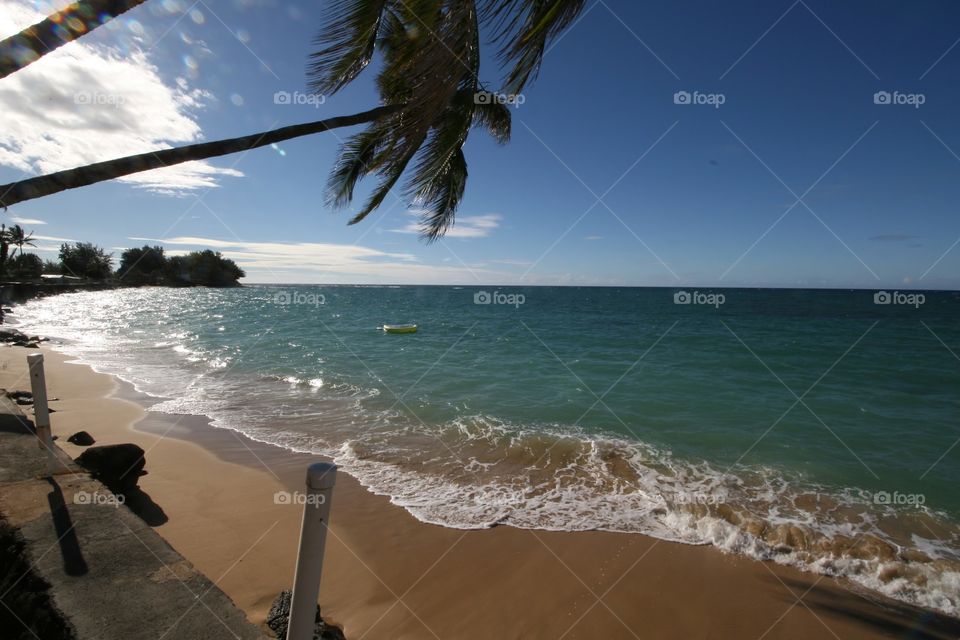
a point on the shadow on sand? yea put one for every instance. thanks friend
(144, 507)
(887, 617)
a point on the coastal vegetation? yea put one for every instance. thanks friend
(23, 266)
(150, 265)
(139, 266)
(85, 260)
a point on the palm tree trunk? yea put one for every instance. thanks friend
(56, 30)
(40, 186)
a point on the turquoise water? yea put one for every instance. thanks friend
(815, 428)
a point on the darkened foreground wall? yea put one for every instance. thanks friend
(82, 567)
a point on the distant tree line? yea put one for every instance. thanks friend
(138, 266)
(150, 265)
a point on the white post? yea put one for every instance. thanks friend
(321, 477)
(41, 413)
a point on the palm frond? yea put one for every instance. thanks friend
(446, 192)
(524, 29)
(432, 185)
(392, 175)
(495, 118)
(452, 59)
(356, 160)
(428, 64)
(392, 27)
(348, 39)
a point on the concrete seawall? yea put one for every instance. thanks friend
(75, 564)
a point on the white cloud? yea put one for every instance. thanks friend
(464, 227)
(19, 220)
(514, 263)
(87, 103)
(327, 262)
(318, 262)
(43, 247)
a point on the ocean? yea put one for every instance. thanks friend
(816, 428)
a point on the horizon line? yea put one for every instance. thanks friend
(590, 286)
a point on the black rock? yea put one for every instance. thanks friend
(24, 401)
(19, 394)
(118, 466)
(81, 439)
(279, 616)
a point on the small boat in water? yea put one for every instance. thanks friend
(400, 328)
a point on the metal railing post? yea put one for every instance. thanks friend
(41, 412)
(321, 477)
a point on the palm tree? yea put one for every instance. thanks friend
(4, 244)
(429, 89)
(56, 30)
(17, 237)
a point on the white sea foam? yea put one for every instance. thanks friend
(437, 500)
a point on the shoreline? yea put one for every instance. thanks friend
(388, 573)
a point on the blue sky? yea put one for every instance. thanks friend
(799, 178)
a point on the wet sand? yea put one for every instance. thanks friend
(387, 575)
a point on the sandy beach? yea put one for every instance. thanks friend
(387, 575)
